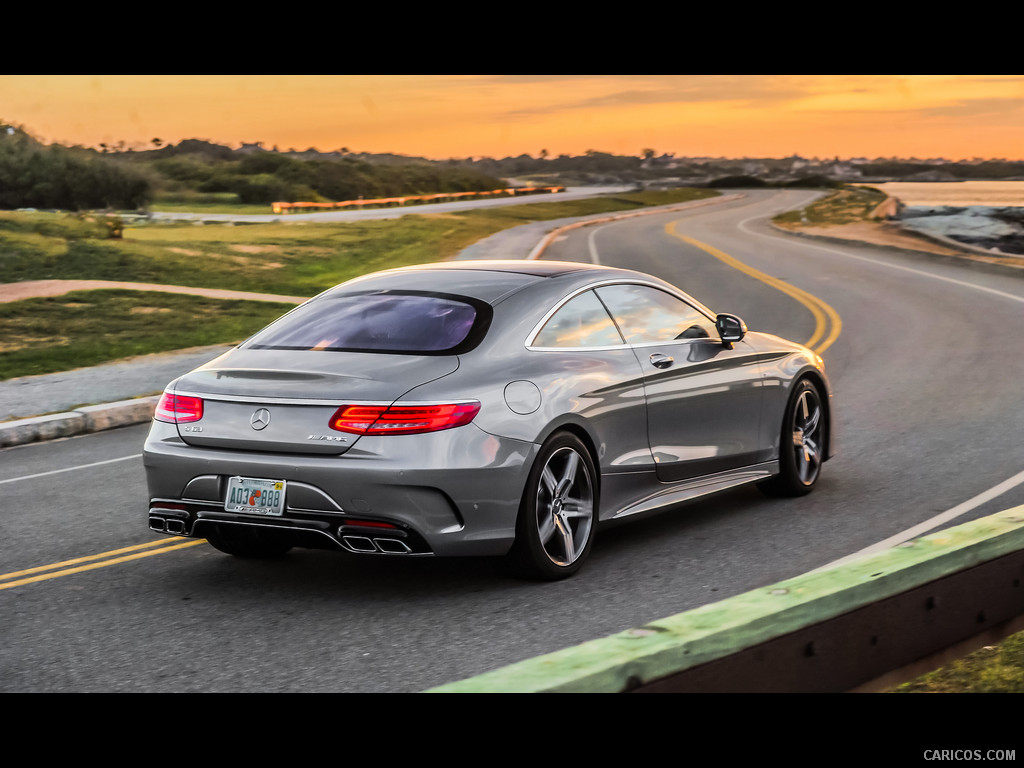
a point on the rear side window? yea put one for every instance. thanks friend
(582, 322)
(398, 323)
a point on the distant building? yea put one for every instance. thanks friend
(844, 170)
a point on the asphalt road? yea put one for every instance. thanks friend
(929, 413)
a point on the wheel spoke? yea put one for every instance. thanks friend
(805, 471)
(808, 467)
(568, 540)
(802, 471)
(547, 477)
(577, 508)
(546, 527)
(572, 463)
(811, 423)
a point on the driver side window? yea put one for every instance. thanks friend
(649, 315)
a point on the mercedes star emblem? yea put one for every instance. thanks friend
(260, 418)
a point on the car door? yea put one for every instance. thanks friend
(591, 372)
(703, 396)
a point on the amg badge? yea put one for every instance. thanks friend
(332, 438)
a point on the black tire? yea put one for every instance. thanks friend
(249, 543)
(558, 512)
(801, 444)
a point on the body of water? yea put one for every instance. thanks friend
(958, 193)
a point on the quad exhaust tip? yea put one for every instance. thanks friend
(367, 544)
(166, 525)
(392, 546)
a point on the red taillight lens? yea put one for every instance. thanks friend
(178, 409)
(402, 419)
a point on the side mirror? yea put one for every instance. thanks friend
(730, 328)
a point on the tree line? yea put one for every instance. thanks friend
(34, 175)
(264, 177)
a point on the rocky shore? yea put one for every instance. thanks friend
(997, 230)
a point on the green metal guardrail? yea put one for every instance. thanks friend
(831, 630)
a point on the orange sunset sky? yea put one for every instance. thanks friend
(441, 116)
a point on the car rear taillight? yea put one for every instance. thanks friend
(178, 409)
(402, 419)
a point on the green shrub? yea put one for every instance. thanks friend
(37, 176)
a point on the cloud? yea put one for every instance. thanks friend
(981, 109)
(576, 92)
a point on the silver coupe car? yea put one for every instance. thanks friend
(480, 408)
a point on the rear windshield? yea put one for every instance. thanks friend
(399, 323)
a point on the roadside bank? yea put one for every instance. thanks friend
(926, 232)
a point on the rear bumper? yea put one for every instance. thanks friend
(310, 529)
(455, 492)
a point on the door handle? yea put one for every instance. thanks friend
(659, 360)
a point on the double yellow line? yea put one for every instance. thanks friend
(828, 324)
(91, 562)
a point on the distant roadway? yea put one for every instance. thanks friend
(571, 193)
(924, 359)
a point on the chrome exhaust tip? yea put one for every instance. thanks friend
(392, 546)
(387, 546)
(161, 524)
(359, 543)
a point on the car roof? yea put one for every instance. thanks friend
(536, 268)
(487, 280)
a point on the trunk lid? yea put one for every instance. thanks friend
(282, 400)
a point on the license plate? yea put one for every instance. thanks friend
(255, 496)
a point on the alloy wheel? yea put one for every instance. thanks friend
(807, 421)
(565, 506)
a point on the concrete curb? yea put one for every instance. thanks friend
(91, 418)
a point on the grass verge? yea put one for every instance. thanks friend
(843, 206)
(291, 257)
(84, 328)
(992, 669)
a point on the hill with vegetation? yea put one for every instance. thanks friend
(70, 178)
(34, 175)
(195, 171)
